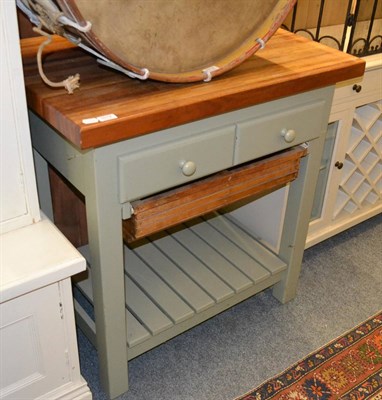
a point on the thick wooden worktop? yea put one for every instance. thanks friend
(288, 65)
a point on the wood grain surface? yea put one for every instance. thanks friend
(288, 65)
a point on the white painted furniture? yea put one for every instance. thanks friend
(352, 187)
(18, 201)
(38, 347)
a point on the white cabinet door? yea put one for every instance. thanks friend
(19, 204)
(34, 353)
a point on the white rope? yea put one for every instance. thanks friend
(105, 61)
(208, 73)
(208, 76)
(261, 43)
(110, 64)
(68, 22)
(70, 84)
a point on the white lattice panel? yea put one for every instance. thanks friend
(361, 180)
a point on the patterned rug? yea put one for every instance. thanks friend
(349, 368)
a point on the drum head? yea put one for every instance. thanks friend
(177, 39)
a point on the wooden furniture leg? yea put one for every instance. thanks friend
(106, 251)
(297, 216)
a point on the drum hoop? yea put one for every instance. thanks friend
(255, 42)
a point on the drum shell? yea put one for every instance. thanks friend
(177, 40)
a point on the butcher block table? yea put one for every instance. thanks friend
(149, 156)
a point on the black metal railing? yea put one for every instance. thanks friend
(357, 29)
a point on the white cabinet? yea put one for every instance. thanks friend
(38, 346)
(352, 189)
(18, 200)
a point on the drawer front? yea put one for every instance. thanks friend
(369, 85)
(278, 130)
(164, 166)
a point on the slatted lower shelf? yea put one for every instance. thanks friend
(186, 275)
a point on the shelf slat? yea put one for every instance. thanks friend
(227, 272)
(234, 254)
(248, 244)
(141, 305)
(136, 333)
(175, 278)
(194, 268)
(155, 288)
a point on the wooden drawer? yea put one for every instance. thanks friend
(264, 135)
(161, 167)
(170, 208)
(370, 84)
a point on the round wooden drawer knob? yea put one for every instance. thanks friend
(188, 168)
(289, 135)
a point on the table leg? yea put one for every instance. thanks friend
(299, 208)
(106, 250)
(296, 222)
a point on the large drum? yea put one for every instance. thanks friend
(166, 40)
